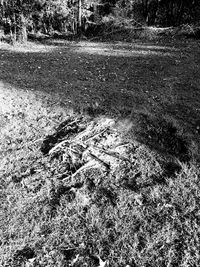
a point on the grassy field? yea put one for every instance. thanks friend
(140, 103)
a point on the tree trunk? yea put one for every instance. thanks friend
(179, 12)
(22, 34)
(145, 9)
(79, 15)
(152, 9)
(13, 30)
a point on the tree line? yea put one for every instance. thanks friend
(18, 17)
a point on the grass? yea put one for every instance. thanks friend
(145, 210)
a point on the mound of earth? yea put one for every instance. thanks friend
(100, 156)
(95, 165)
(83, 143)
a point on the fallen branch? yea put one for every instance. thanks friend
(106, 165)
(105, 34)
(136, 22)
(59, 145)
(88, 165)
(112, 154)
(95, 135)
(122, 144)
(116, 31)
(84, 133)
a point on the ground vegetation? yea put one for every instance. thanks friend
(100, 153)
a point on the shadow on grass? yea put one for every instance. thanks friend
(82, 72)
(162, 136)
(109, 78)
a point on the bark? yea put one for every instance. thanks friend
(13, 30)
(22, 33)
(152, 10)
(145, 9)
(180, 12)
(79, 15)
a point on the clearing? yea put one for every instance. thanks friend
(99, 153)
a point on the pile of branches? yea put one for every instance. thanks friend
(83, 144)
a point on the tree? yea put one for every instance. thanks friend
(79, 14)
(15, 15)
(50, 16)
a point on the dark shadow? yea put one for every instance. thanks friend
(111, 74)
(170, 169)
(68, 254)
(104, 196)
(66, 129)
(22, 255)
(163, 137)
(136, 183)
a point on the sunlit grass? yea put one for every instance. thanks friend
(29, 47)
(123, 50)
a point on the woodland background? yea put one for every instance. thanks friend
(20, 18)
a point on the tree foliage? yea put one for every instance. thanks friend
(161, 12)
(21, 16)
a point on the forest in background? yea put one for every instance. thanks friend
(20, 18)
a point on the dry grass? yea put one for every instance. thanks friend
(144, 209)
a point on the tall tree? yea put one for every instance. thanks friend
(16, 14)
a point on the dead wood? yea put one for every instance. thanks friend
(112, 154)
(106, 165)
(59, 145)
